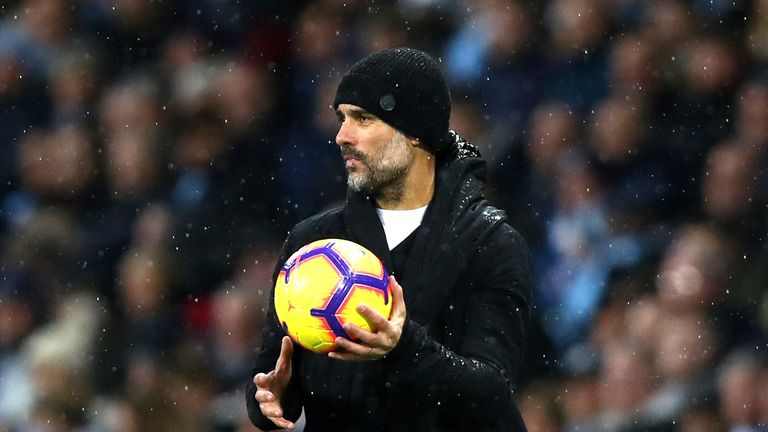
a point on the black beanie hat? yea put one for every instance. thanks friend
(405, 88)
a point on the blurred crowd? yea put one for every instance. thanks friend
(153, 155)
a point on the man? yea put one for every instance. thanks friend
(447, 362)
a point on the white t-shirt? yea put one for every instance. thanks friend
(399, 224)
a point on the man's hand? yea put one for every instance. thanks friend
(384, 334)
(270, 386)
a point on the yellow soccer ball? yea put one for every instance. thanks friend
(320, 286)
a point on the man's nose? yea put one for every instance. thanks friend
(346, 134)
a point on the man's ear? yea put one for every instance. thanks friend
(415, 142)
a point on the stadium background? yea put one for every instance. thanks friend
(153, 154)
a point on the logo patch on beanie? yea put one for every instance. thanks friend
(387, 102)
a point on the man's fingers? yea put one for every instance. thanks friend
(270, 386)
(271, 409)
(281, 422)
(376, 320)
(348, 350)
(286, 352)
(263, 380)
(344, 345)
(337, 355)
(274, 413)
(263, 396)
(358, 333)
(286, 347)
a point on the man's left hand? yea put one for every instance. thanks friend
(384, 334)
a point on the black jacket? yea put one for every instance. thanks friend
(467, 287)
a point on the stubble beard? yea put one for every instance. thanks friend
(384, 172)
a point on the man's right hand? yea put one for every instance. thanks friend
(271, 386)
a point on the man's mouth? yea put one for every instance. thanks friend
(352, 163)
(352, 159)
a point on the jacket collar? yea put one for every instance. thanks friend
(459, 160)
(439, 253)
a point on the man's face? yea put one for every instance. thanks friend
(377, 156)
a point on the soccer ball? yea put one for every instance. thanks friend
(320, 286)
